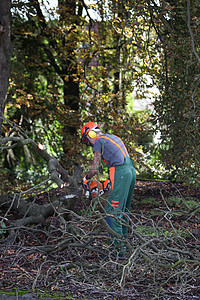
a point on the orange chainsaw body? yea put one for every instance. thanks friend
(96, 188)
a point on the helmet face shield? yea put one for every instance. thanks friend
(84, 140)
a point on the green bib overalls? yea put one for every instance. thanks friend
(122, 176)
(120, 197)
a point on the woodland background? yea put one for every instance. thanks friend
(79, 61)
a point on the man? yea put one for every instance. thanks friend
(121, 172)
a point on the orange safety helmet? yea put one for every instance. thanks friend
(86, 128)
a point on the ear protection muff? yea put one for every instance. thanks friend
(92, 134)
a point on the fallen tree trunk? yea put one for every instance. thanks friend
(33, 213)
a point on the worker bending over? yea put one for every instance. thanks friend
(121, 172)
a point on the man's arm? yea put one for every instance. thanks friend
(95, 165)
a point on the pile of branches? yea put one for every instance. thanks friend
(76, 256)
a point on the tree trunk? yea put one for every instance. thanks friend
(70, 13)
(5, 53)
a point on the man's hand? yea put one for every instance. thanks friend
(95, 165)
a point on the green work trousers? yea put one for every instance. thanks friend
(120, 197)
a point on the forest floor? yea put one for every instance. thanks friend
(25, 269)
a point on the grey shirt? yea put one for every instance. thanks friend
(111, 148)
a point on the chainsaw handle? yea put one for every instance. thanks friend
(84, 183)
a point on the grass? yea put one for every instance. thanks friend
(17, 292)
(172, 202)
(174, 207)
(187, 202)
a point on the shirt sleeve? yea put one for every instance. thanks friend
(97, 146)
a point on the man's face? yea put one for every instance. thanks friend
(91, 141)
(88, 141)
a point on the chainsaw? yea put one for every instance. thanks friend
(95, 188)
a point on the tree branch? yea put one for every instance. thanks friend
(191, 34)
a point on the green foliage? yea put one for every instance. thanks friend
(177, 108)
(67, 70)
(40, 79)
